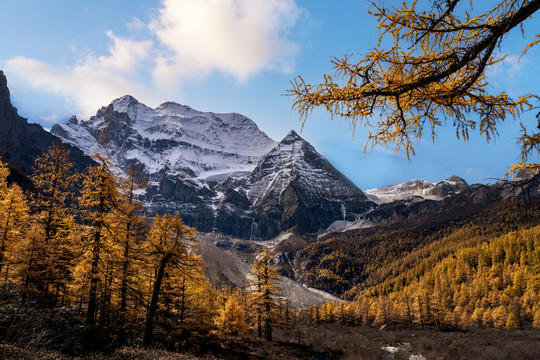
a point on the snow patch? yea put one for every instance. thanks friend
(343, 225)
(173, 137)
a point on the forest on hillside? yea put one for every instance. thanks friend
(82, 269)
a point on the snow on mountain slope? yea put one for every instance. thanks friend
(223, 174)
(219, 171)
(421, 188)
(295, 186)
(173, 137)
(294, 159)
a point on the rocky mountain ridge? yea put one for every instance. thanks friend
(21, 142)
(220, 171)
(418, 188)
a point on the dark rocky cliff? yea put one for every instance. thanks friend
(21, 142)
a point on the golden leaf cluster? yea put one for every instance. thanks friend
(433, 73)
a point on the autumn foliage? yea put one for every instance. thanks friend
(433, 72)
(82, 269)
(79, 246)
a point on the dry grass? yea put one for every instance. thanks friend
(16, 353)
(336, 342)
(366, 342)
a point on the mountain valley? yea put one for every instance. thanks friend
(240, 189)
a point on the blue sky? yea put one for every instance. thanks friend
(66, 57)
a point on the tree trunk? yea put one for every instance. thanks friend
(183, 305)
(92, 294)
(268, 321)
(27, 277)
(125, 268)
(50, 206)
(147, 339)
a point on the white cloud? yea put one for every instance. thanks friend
(237, 37)
(190, 40)
(125, 56)
(94, 81)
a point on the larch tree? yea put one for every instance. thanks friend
(131, 211)
(196, 302)
(13, 216)
(264, 291)
(435, 72)
(170, 247)
(99, 200)
(54, 178)
(231, 320)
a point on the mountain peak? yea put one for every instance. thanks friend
(124, 103)
(126, 99)
(291, 137)
(5, 101)
(456, 179)
(21, 142)
(293, 133)
(173, 108)
(3, 80)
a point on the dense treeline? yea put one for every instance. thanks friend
(488, 281)
(347, 263)
(82, 269)
(81, 263)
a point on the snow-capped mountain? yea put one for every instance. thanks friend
(418, 188)
(172, 137)
(219, 171)
(293, 176)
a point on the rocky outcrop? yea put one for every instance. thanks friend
(452, 207)
(21, 142)
(418, 188)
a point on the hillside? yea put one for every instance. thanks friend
(347, 263)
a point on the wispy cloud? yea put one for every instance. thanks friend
(93, 81)
(188, 40)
